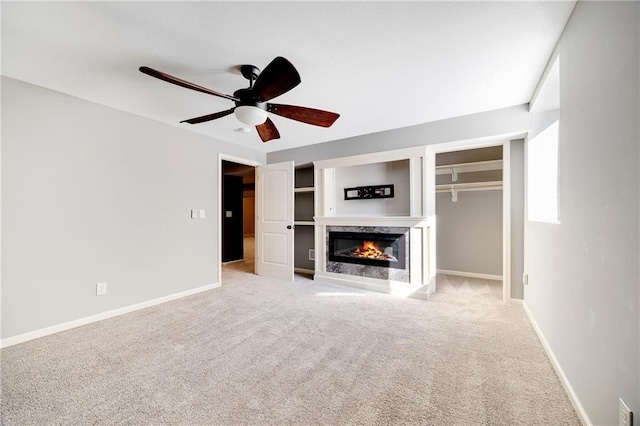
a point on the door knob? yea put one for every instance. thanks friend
(289, 227)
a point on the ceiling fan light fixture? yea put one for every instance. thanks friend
(250, 115)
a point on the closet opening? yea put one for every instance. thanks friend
(469, 217)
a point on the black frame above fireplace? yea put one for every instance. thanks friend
(341, 241)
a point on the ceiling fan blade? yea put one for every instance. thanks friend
(277, 78)
(313, 116)
(178, 81)
(209, 117)
(267, 131)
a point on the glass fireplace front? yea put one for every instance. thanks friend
(364, 248)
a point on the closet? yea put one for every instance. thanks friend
(469, 212)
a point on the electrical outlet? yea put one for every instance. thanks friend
(525, 278)
(101, 288)
(626, 415)
(201, 213)
(194, 214)
(312, 254)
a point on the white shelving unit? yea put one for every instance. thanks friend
(304, 194)
(411, 171)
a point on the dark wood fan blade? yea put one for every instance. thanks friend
(267, 131)
(209, 117)
(277, 78)
(178, 81)
(316, 117)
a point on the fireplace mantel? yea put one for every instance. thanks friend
(412, 172)
(375, 221)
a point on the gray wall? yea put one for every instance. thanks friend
(583, 273)
(517, 170)
(469, 237)
(491, 124)
(92, 194)
(394, 173)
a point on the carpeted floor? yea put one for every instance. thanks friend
(260, 351)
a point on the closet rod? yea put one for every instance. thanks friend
(471, 186)
(464, 187)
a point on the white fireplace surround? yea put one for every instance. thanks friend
(413, 209)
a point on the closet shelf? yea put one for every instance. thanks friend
(454, 188)
(304, 222)
(471, 186)
(308, 189)
(478, 166)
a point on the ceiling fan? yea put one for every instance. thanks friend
(251, 108)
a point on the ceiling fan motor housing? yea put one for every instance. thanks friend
(247, 97)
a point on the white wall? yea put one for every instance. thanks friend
(92, 194)
(583, 290)
(469, 237)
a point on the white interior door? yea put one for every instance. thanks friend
(274, 220)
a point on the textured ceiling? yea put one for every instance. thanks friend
(381, 65)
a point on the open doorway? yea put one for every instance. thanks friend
(236, 203)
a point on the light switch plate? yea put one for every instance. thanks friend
(194, 214)
(229, 213)
(201, 213)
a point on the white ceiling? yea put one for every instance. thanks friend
(381, 65)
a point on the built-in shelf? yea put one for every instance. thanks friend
(304, 232)
(477, 166)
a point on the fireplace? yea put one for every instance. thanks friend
(368, 248)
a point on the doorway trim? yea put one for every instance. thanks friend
(506, 197)
(245, 162)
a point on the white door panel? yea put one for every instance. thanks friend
(274, 220)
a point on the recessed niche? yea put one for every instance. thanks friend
(385, 173)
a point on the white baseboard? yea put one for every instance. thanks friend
(21, 338)
(516, 301)
(575, 401)
(470, 275)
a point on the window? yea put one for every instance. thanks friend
(542, 176)
(542, 149)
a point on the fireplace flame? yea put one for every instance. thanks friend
(370, 250)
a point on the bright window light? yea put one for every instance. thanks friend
(542, 176)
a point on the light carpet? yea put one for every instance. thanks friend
(261, 351)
